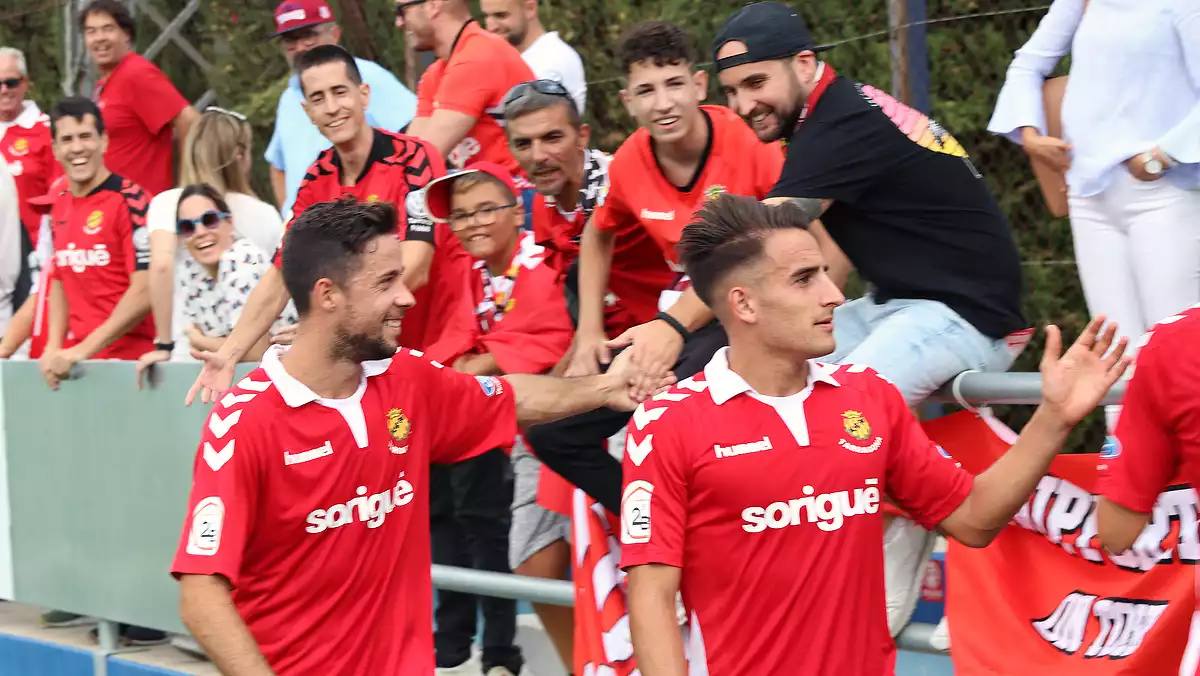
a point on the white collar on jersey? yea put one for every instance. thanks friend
(724, 384)
(296, 393)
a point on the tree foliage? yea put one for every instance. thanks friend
(970, 44)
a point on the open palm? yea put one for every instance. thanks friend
(1075, 383)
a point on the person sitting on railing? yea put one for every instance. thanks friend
(306, 548)
(901, 202)
(521, 326)
(217, 152)
(217, 275)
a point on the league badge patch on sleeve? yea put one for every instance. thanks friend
(635, 512)
(207, 519)
(490, 385)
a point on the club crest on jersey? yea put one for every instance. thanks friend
(398, 427)
(856, 425)
(19, 147)
(94, 221)
(712, 192)
(372, 198)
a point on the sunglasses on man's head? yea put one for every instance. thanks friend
(548, 87)
(11, 83)
(231, 113)
(210, 219)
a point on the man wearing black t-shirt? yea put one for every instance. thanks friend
(903, 201)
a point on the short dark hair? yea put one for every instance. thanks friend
(326, 240)
(660, 42)
(114, 8)
(730, 231)
(204, 190)
(323, 54)
(76, 107)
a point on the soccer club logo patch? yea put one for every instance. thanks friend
(856, 425)
(490, 385)
(398, 425)
(1110, 449)
(712, 192)
(94, 221)
(19, 147)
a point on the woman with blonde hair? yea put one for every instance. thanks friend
(216, 152)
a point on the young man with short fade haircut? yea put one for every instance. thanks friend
(306, 548)
(754, 487)
(371, 165)
(141, 106)
(684, 154)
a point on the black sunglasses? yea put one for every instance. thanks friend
(548, 87)
(12, 82)
(210, 219)
(401, 6)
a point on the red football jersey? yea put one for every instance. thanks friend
(771, 508)
(735, 162)
(139, 105)
(638, 272)
(99, 241)
(27, 149)
(397, 171)
(1158, 431)
(317, 511)
(482, 68)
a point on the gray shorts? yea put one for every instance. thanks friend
(533, 527)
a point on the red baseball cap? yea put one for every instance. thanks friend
(293, 14)
(56, 188)
(437, 193)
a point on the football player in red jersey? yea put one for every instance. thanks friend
(754, 487)
(367, 164)
(99, 290)
(306, 548)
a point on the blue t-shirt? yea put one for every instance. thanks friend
(392, 107)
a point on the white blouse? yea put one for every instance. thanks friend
(216, 304)
(1134, 84)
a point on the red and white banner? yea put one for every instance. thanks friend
(603, 645)
(1045, 598)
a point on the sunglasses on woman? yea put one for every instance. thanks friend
(210, 219)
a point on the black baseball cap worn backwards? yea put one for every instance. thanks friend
(770, 30)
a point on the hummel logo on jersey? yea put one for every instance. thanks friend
(658, 215)
(372, 509)
(827, 510)
(742, 449)
(311, 454)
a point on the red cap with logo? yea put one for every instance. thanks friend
(293, 14)
(56, 188)
(437, 193)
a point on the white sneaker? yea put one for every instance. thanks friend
(499, 671)
(468, 668)
(940, 640)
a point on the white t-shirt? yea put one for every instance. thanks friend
(552, 59)
(253, 219)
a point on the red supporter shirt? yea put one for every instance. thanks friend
(100, 240)
(482, 68)
(735, 161)
(397, 171)
(1158, 431)
(27, 148)
(639, 272)
(317, 511)
(139, 105)
(771, 508)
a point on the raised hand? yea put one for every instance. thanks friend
(630, 387)
(655, 348)
(1075, 383)
(216, 377)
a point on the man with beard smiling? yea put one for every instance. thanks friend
(909, 209)
(371, 165)
(306, 549)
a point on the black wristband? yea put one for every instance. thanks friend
(675, 324)
(165, 347)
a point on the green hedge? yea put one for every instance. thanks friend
(967, 56)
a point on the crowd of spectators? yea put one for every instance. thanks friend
(129, 229)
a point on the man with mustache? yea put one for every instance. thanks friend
(368, 164)
(906, 205)
(306, 548)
